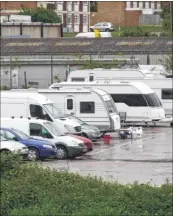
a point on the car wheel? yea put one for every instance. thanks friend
(5, 151)
(33, 154)
(171, 124)
(91, 30)
(107, 30)
(61, 153)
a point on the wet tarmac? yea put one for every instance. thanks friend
(146, 159)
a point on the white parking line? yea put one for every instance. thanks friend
(130, 142)
(164, 169)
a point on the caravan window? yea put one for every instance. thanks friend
(69, 104)
(130, 99)
(152, 100)
(77, 79)
(38, 112)
(167, 94)
(91, 78)
(87, 107)
(39, 130)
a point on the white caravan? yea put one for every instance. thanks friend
(94, 107)
(67, 146)
(136, 99)
(161, 85)
(35, 105)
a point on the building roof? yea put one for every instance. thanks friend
(107, 46)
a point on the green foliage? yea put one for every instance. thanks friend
(166, 16)
(4, 87)
(33, 190)
(138, 32)
(41, 14)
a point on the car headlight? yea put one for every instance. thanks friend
(47, 146)
(69, 128)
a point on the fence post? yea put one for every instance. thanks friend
(51, 67)
(10, 71)
(25, 79)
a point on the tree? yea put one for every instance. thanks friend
(166, 15)
(41, 14)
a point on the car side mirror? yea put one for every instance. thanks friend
(15, 139)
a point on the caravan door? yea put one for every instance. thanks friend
(70, 105)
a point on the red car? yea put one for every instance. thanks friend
(88, 142)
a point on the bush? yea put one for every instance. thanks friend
(34, 190)
(137, 32)
(4, 87)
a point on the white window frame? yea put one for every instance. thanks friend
(158, 5)
(76, 6)
(141, 5)
(69, 6)
(76, 19)
(85, 2)
(69, 17)
(59, 6)
(128, 4)
(146, 5)
(135, 5)
(152, 5)
(86, 16)
(61, 16)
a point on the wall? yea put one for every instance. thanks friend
(33, 30)
(132, 18)
(109, 12)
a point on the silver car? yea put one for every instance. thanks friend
(103, 27)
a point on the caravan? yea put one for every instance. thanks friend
(136, 99)
(93, 106)
(151, 76)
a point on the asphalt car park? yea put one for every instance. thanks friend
(146, 159)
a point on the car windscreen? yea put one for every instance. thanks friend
(153, 100)
(54, 110)
(54, 128)
(21, 134)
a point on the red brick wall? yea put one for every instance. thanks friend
(10, 5)
(108, 11)
(132, 18)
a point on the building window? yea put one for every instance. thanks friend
(152, 5)
(76, 19)
(76, 6)
(85, 3)
(167, 94)
(93, 6)
(61, 17)
(158, 5)
(51, 5)
(87, 107)
(59, 5)
(69, 104)
(69, 20)
(85, 19)
(146, 5)
(69, 6)
(140, 5)
(128, 4)
(135, 4)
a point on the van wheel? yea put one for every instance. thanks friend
(107, 30)
(61, 153)
(33, 154)
(5, 151)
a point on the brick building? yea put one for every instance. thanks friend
(123, 13)
(13, 7)
(74, 14)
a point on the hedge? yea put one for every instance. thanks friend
(28, 189)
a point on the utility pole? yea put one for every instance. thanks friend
(51, 64)
(171, 17)
(10, 71)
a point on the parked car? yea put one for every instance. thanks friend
(89, 131)
(13, 146)
(38, 149)
(88, 143)
(103, 26)
(92, 35)
(67, 146)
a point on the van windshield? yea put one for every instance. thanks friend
(54, 110)
(111, 106)
(54, 129)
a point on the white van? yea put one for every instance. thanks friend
(95, 107)
(35, 105)
(67, 146)
(92, 35)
